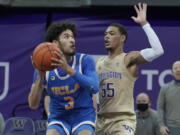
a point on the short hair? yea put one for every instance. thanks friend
(121, 28)
(55, 29)
(149, 97)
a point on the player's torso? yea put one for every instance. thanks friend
(65, 92)
(116, 86)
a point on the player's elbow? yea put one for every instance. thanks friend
(160, 52)
(95, 89)
(32, 103)
(33, 106)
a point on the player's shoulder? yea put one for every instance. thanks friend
(85, 57)
(101, 59)
(132, 54)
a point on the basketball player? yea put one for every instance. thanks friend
(70, 86)
(118, 72)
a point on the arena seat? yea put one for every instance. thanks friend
(40, 127)
(19, 126)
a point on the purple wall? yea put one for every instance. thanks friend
(19, 35)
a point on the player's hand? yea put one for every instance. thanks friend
(62, 63)
(141, 10)
(164, 130)
(41, 73)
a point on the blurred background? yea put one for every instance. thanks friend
(23, 24)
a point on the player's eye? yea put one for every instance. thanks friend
(66, 36)
(112, 33)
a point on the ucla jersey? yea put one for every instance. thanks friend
(65, 92)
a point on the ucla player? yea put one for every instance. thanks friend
(70, 86)
(118, 72)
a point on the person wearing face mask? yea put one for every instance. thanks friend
(168, 104)
(147, 123)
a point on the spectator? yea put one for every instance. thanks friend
(147, 123)
(2, 123)
(168, 104)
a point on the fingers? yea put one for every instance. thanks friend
(167, 130)
(32, 62)
(136, 9)
(140, 7)
(55, 61)
(59, 54)
(145, 7)
(134, 18)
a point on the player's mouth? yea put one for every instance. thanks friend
(107, 43)
(73, 46)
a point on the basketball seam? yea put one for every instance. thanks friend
(50, 51)
(42, 65)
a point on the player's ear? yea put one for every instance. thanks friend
(123, 38)
(55, 41)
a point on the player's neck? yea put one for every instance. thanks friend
(68, 58)
(114, 52)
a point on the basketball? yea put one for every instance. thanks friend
(42, 55)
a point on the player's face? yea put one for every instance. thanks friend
(67, 42)
(112, 38)
(176, 70)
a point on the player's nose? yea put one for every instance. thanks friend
(106, 37)
(72, 40)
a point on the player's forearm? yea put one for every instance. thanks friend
(35, 94)
(88, 82)
(156, 49)
(46, 104)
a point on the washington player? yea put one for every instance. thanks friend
(118, 72)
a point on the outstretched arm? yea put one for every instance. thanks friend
(156, 50)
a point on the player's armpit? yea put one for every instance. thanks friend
(134, 58)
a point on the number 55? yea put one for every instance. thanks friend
(107, 90)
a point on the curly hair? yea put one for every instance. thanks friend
(55, 29)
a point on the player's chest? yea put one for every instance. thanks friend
(62, 87)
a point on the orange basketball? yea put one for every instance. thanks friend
(42, 55)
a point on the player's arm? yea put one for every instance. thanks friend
(148, 54)
(89, 78)
(46, 104)
(36, 90)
